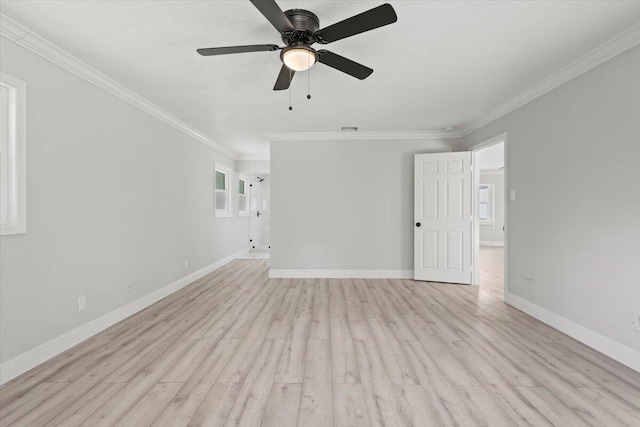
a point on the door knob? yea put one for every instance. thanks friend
(417, 224)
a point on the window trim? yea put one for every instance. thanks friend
(247, 197)
(222, 213)
(18, 154)
(491, 209)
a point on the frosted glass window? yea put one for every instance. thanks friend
(222, 194)
(5, 120)
(13, 160)
(485, 204)
(243, 208)
(221, 178)
(221, 201)
(484, 211)
(484, 194)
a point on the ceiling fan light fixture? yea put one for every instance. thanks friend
(298, 58)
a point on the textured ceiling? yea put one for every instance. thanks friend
(444, 63)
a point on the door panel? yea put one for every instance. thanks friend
(455, 253)
(443, 211)
(430, 199)
(429, 249)
(455, 199)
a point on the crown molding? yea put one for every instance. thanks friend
(27, 39)
(362, 136)
(22, 36)
(250, 158)
(11, 30)
(622, 42)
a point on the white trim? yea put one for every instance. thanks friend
(360, 136)
(20, 35)
(341, 274)
(38, 45)
(18, 160)
(620, 43)
(489, 243)
(618, 352)
(32, 358)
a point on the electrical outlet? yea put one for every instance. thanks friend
(186, 263)
(512, 195)
(634, 321)
(82, 303)
(528, 275)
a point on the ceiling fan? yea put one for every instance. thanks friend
(300, 29)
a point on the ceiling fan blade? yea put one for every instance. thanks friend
(343, 64)
(284, 78)
(273, 13)
(369, 20)
(237, 49)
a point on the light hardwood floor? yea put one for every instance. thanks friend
(237, 348)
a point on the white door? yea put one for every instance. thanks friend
(443, 217)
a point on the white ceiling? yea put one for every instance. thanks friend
(491, 158)
(444, 63)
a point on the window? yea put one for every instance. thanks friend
(485, 204)
(222, 194)
(243, 199)
(13, 162)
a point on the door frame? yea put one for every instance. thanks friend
(475, 274)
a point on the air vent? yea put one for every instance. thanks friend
(349, 129)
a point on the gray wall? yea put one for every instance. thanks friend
(574, 160)
(253, 166)
(115, 198)
(344, 205)
(493, 232)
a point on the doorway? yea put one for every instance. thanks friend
(490, 207)
(260, 216)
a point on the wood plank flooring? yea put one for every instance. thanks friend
(238, 348)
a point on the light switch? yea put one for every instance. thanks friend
(512, 195)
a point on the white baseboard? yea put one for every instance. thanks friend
(607, 346)
(341, 274)
(32, 358)
(489, 243)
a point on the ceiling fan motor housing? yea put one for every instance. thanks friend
(305, 23)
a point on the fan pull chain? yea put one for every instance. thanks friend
(290, 78)
(309, 78)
